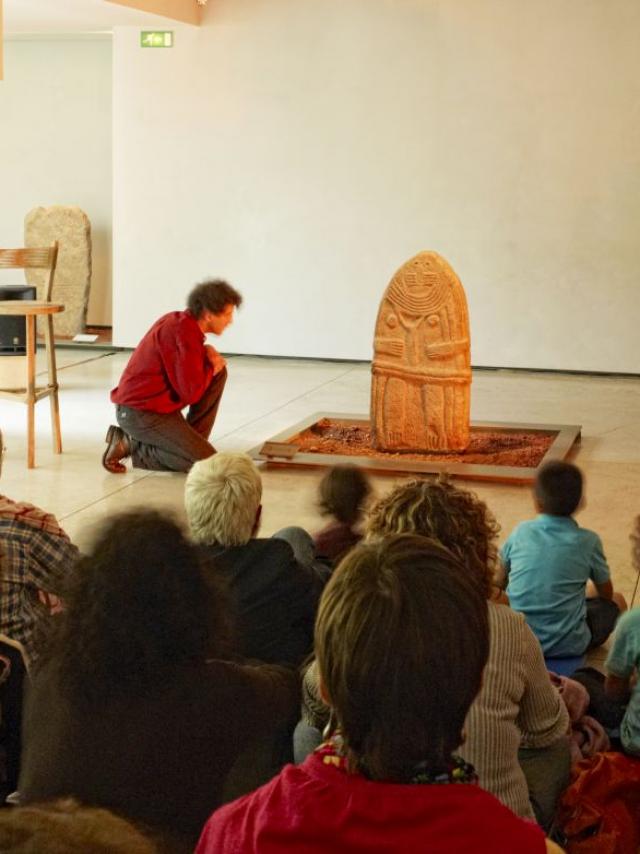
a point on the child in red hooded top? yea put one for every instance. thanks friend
(401, 639)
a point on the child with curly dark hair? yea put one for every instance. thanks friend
(344, 491)
(441, 511)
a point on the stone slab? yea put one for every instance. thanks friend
(70, 226)
(421, 369)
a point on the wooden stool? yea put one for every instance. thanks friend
(38, 258)
(30, 309)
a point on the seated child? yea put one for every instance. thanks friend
(548, 562)
(343, 493)
(401, 639)
(623, 666)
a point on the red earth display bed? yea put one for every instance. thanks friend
(497, 451)
(487, 447)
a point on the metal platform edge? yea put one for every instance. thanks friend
(567, 436)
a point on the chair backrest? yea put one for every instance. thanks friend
(45, 258)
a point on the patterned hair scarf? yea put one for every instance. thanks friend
(332, 752)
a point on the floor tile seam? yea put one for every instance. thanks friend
(74, 364)
(64, 517)
(278, 408)
(607, 432)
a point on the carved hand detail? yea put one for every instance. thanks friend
(389, 346)
(444, 349)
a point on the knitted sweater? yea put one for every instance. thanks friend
(517, 707)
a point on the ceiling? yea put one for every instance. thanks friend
(72, 16)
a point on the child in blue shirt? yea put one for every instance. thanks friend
(548, 562)
(623, 665)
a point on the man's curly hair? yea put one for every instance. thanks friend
(437, 509)
(137, 611)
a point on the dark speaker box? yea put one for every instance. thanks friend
(13, 330)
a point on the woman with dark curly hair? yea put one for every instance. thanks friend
(517, 705)
(132, 707)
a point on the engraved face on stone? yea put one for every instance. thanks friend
(418, 289)
(421, 366)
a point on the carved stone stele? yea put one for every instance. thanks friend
(421, 383)
(70, 226)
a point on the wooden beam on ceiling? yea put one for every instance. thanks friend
(186, 11)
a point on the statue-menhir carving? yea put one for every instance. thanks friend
(421, 385)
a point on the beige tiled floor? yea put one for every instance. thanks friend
(264, 396)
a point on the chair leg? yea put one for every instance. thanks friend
(53, 385)
(31, 389)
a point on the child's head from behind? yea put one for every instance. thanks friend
(343, 492)
(437, 509)
(138, 611)
(558, 488)
(401, 640)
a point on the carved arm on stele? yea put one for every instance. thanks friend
(389, 346)
(445, 349)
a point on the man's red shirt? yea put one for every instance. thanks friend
(169, 368)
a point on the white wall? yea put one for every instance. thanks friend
(55, 144)
(304, 149)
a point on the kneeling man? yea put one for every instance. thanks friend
(171, 368)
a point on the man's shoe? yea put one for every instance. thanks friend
(118, 448)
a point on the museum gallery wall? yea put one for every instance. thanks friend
(306, 148)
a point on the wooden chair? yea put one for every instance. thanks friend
(41, 258)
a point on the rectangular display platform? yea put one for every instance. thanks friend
(281, 450)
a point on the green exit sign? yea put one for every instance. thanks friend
(156, 38)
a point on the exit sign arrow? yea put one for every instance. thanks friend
(156, 38)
